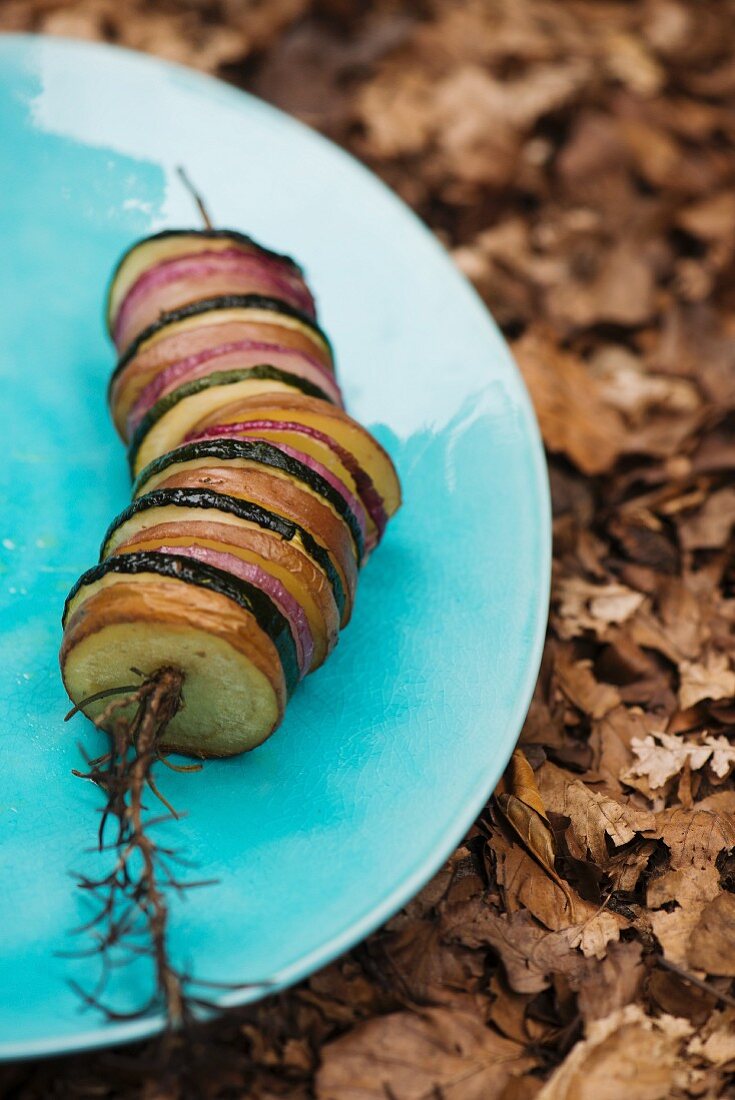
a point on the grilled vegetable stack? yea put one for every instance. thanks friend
(256, 497)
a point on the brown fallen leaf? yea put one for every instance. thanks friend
(619, 289)
(670, 993)
(509, 1013)
(593, 816)
(527, 885)
(609, 984)
(416, 1055)
(660, 757)
(624, 1054)
(696, 837)
(518, 800)
(577, 681)
(710, 527)
(415, 962)
(582, 606)
(716, 1041)
(711, 941)
(712, 678)
(677, 900)
(531, 954)
(711, 218)
(573, 417)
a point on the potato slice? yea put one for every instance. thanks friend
(234, 692)
(178, 340)
(259, 456)
(170, 420)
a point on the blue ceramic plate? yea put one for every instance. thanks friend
(388, 753)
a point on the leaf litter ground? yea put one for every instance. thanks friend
(579, 161)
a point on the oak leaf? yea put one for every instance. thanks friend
(593, 816)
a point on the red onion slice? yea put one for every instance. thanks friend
(175, 282)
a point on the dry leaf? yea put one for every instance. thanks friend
(573, 417)
(716, 1042)
(711, 942)
(625, 1054)
(696, 837)
(661, 756)
(710, 527)
(412, 1055)
(577, 680)
(521, 805)
(711, 679)
(611, 983)
(593, 816)
(690, 891)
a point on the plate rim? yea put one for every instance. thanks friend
(107, 1034)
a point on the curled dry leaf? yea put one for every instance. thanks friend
(574, 419)
(520, 803)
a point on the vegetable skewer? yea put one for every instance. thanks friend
(257, 498)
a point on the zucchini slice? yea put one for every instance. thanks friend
(284, 497)
(249, 452)
(165, 425)
(197, 338)
(175, 505)
(318, 446)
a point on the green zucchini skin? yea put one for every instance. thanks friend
(178, 567)
(243, 509)
(218, 378)
(209, 305)
(224, 450)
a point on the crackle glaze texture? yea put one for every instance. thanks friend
(389, 751)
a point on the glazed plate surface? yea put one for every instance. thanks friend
(387, 753)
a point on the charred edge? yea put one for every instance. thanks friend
(267, 454)
(242, 509)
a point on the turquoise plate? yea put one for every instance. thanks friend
(388, 753)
